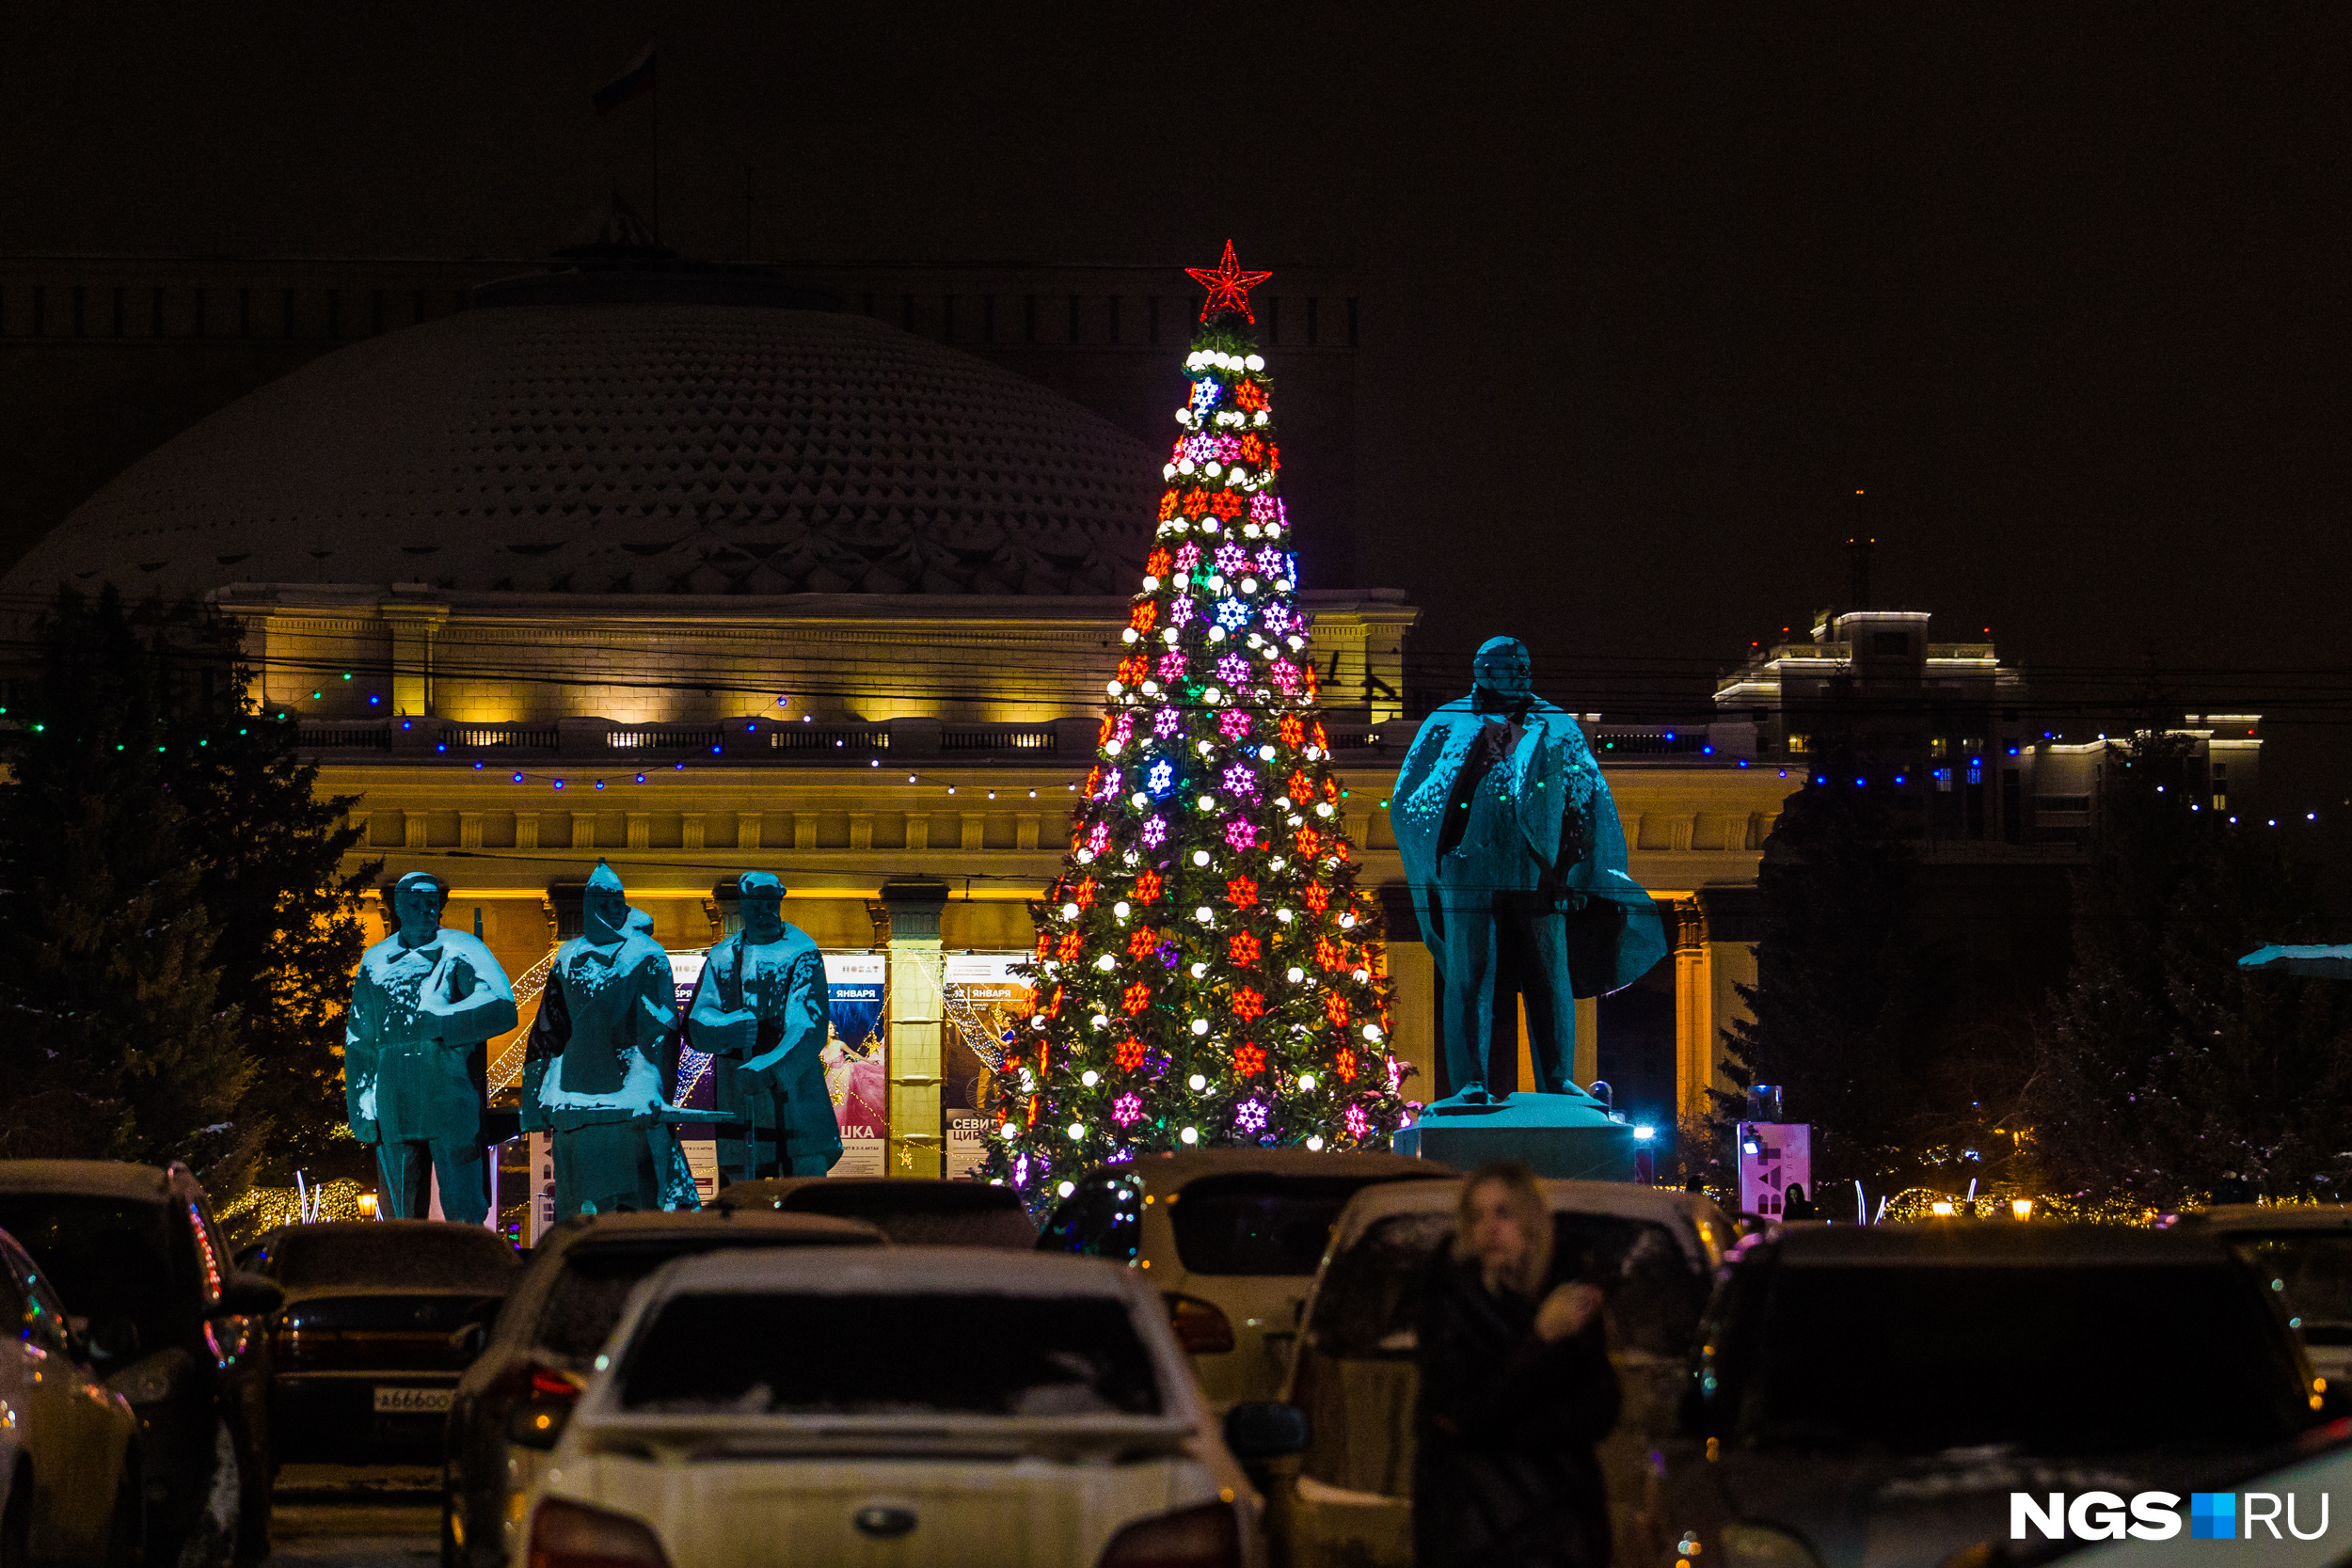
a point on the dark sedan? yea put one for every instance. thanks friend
(362, 1362)
(537, 1360)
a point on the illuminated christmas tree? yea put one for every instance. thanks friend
(1206, 970)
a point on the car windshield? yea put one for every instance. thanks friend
(2312, 1271)
(2048, 1359)
(109, 1257)
(394, 1257)
(1368, 1303)
(1259, 1223)
(586, 1298)
(964, 1353)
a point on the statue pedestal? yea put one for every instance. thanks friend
(1565, 1136)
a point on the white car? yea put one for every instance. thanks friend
(69, 1445)
(896, 1406)
(1349, 1500)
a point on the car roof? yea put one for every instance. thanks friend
(2243, 1218)
(1668, 1206)
(1990, 1244)
(912, 1269)
(1166, 1173)
(816, 1230)
(115, 1178)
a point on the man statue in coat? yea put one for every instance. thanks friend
(423, 1006)
(759, 1011)
(591, 1071)
(1517, 862)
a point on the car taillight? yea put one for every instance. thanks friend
(1204, 1537)
(573, 1535)
(547, 1383)
(1200, 1325)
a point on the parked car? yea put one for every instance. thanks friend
(918, 1405)
(1231, 1238)
(1653, 1250)
(911, 1212)
(361, 1359)
(135, 1250)
(70, 1487)
(2304, 1254)
(532, 1365)
(1875, 1394)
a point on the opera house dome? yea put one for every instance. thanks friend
(634, 434)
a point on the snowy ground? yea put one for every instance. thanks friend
(355, 1516)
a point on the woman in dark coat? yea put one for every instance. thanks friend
(1515, 1389)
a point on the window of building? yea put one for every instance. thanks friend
(1797, 744)
(1939, 747)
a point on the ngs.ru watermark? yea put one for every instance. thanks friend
(2157, 1516)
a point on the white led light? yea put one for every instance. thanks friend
(1204, 914)
(1199, 971)
(1067, 1188)
(1139, 799)
(1322, 808)
(1196, 1083)
(1131, 635)
(1295, 975)
(1284, 916)
(1089, 1078)
(1101, 1021)
(1199, 1025)
(1347, 921)
(1372, 1033)
(1190, 1134)
(1200, 857)
(1106, 964)
(1306, 1082)
(1077, 1131)
(1121, 908)
(1069, 912)
(1006, 1130)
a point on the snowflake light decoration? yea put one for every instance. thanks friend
(1166, 722)
(1239, 835)
(1154, 832)
(1249, 1115)
(1241, 779)
(1187, 558)
(1159, 781)
(1234, 723)
(1127, 1109)
(1234, 669)
(1233, 614)
(1231, 558)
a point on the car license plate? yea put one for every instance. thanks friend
(412, 1401)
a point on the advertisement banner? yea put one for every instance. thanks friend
(1774, 1155)
(853, 1058)
(985, 1003)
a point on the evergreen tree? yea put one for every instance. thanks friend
(1845, 998)
(175, 892)
(1206, 970)
(2164, 1064)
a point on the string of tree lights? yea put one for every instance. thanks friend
(1206, 970)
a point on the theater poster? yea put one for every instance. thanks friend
(853, 1058)
(985, 1003)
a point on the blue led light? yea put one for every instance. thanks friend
(1231, 614)
(1160, 779)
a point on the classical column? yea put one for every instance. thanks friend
(915, 1017)
(1694, 1009)
(413, 625)
(470, 830)
(1587, 1065)
(1734, 922)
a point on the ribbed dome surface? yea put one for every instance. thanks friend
(630, 447)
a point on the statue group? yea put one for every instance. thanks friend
(1517, 862)
(426, 1002)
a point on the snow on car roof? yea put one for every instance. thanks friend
(908, 1270)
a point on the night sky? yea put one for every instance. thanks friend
(1650, 289)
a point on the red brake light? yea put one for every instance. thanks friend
(1204, 1537)
(548, 1383)
(573, 1535)
(1200, 1325)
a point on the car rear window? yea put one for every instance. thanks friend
(110, 1257)
(2312, 1272)
(1259, 1223)
(961, 1353)
(2047, 1359)
(1368, 1304)
(411, 1258)
(950, 1214)
(586, 1298)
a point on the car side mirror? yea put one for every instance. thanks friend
(538, 1423)
(249, 1295)
(113, 1339)
(469, 1340)
(1265, 1428)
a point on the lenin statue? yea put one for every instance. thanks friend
(761, 1012)
(423, 1006)
(1517, 862)
(591, 1071)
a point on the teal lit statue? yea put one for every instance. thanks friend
(1518, 865)
(760, 1010)
(423, 1006)
(591, 1072)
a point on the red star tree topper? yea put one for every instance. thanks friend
(1228, 287)
(1206, 970)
